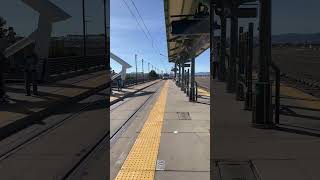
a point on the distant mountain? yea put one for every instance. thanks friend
(202, 73)
(296, 38)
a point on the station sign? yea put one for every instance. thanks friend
(192, 27)
(186, 65)
(244, 13)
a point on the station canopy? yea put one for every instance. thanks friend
(187, 28)
(188, 25)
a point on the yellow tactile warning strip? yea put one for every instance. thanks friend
(141, 161)
(302, 98)
(203, 92)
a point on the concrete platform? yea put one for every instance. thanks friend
(272, 154)
(184, 142)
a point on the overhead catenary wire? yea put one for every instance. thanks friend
(136, 19)
(145, 30)
(152, 40)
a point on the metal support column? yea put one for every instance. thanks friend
(135, 58)
(179, 77)
(248, 102)
(212, 28)
(142, 72)
(182, 77)
(231, 85)
(84, 29)
(239, 66)
(263, 111)
(212, 13)
(185, 81)
(192, 88)
(222, 63)
(187, 84)
(175, 72)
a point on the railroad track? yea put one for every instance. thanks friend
(307, 85)
(203, 82)
(101, 141)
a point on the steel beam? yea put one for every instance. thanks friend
(222, 63)
(231, 85)
(192, 88)
(212, 28)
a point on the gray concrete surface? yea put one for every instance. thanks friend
(275, 155)
(185, 144)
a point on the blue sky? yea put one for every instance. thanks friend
(289, 16)
(127, 39)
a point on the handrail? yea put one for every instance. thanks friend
(196, 88)
(277, 95)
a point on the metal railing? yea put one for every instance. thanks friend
(277, 92)
(196, 91)
(53, 69)
(56, 66)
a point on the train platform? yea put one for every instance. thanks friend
(242, 151)
(21, 110)
(167, 137)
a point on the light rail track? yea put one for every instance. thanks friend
(109, 139)
(102, 140)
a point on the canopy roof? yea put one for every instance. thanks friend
(187, 26)
(184, 46)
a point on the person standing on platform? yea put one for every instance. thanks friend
(119, 84)
(30, 68)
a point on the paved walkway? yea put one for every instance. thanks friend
(185, 139)
(244, 152)
(178, 133)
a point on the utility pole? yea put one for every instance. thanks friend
(136, 69)
(84, 28)
(148, 67)
(142, 72)
(106, 46)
